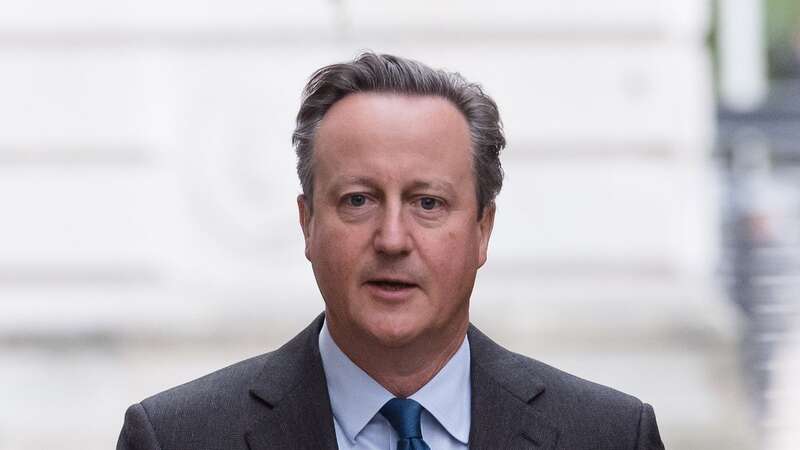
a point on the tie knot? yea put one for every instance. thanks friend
(404, 415)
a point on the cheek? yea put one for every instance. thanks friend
(334, 253)
(453, 259)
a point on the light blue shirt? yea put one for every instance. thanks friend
(356, 399)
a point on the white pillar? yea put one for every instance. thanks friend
(742, 59)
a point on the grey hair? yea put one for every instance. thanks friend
(372, 72)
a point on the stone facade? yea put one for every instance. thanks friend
(147, 190)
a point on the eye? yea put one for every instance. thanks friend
(356, 200)
(428, 203)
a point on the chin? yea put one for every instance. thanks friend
(395, 332)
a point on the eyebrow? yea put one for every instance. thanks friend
(443, 186)
(374, 184)
(348, 180)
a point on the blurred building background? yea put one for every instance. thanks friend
(758, 151)
(646, 237)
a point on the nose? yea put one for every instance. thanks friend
(392, 236)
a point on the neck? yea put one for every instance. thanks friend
(402, 370)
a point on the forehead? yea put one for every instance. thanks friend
(393, 130)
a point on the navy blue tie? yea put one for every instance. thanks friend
(404, 414)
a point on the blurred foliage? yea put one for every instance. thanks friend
(783, 37)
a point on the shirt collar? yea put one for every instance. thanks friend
(347, 382)
(447, 396)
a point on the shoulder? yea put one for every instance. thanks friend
(216, 410)
(224, 389)
(580, 409)
(577, 393)
(230, 389)
(528, 377)
(209, 412)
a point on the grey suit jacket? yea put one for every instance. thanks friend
(279, 400)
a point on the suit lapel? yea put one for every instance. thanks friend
(294, 410)
(504, 390)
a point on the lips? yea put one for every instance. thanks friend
(391, 285)
(391, 289)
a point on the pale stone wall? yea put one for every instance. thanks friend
(149, 235)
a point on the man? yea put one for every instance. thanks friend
(399, 168)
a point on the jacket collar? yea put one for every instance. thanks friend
(296, 410)
(504, 391)
(291, 387)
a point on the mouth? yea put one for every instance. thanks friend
(391, 285)
(391, 288)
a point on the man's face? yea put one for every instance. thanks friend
(394, 238)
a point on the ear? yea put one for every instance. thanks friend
(485, 225)
(304, 212)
